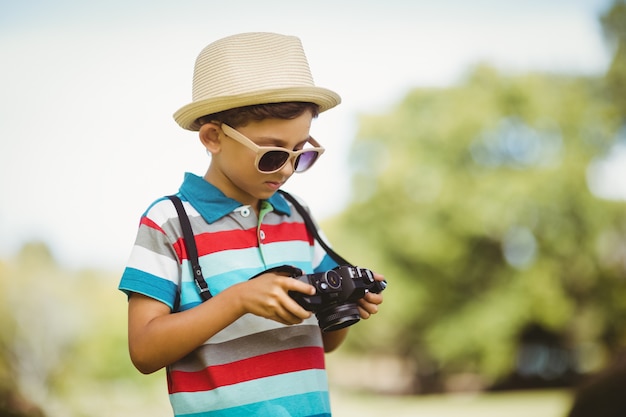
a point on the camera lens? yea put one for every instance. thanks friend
(338, 316)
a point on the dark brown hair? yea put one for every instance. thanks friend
(241, 116)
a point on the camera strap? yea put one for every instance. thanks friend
(190, 245)
(288, 270)
(192, 251)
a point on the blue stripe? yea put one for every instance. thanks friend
(326, 265)
(190, 296)
(223, 262)
(303, 393)
(280, 252)
(217, 282)
(275, 253)
(135, 280)
(315, 404)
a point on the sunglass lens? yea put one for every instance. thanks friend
(273, 160)
(306, 160)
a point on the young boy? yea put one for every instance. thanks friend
(251, 349)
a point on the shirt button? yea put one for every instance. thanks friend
(262, 235)
(245, 212)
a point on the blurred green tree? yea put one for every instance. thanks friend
(62, 335)
(614, 25)
(473, 200)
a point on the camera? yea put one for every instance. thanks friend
(336, 294)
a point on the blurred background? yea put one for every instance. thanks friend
(478, 160)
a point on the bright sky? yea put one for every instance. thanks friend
(88, 89)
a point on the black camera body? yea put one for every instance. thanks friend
(336, 294)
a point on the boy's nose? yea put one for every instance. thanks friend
(289, 168)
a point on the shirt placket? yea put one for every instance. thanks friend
(248, 221)
(261, 234)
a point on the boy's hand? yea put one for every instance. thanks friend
(267, 296)
(368, 305)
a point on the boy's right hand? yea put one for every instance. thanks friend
(267, 296)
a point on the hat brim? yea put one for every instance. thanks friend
(187, 116)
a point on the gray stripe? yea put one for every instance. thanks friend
(290, 337)
(155, 241)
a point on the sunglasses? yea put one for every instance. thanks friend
(270, 159)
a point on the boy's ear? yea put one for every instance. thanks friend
(210, 137)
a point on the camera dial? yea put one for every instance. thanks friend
(330, 280)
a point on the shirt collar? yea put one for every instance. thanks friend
(212, 204)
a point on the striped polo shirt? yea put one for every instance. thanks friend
(255, 366)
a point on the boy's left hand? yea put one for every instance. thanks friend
(368, 305)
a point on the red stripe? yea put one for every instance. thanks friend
(208, 243)
(286, 232)
(148, 222)
(276, 363)
(228, 240)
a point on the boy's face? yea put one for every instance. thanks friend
(233, 168)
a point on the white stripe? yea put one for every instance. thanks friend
(153, 263)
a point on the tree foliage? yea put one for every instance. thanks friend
(62, 336)
(614, 25)
(474, 201)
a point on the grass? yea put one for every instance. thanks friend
(510, 404)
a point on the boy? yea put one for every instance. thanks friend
(250, 349)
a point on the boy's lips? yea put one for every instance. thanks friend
(275, 185)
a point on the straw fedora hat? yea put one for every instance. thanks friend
(251, 68)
